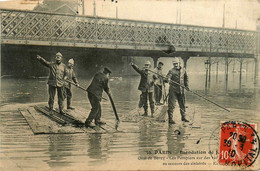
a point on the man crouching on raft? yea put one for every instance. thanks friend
(95, 90)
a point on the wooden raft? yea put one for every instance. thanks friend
(41, 121)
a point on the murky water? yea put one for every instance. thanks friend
(22, 150)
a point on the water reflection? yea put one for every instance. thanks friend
(94, 147)
(62, 150)
(175, 142)
(149, 138)
(60, 147)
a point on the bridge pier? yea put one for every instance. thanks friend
(209, 81)
(185, 59)
(217, 72)
(226, 74)
(155, 61)
(240, 73)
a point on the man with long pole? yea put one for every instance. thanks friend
(95, 90)
(179, 75)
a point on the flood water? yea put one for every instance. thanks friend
(22, 150)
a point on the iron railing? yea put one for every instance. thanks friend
(28, 27)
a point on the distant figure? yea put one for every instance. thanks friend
(70, 77)
(140, 103)
(176, 74)
(56, 80)
(95, 90)
(146, 86)
(158, 85)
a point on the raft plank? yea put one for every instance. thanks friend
(42, 124)
(35, 127)
(81, 113)
(75, 116)
(46, 125)
(53, 117)
(78, 113)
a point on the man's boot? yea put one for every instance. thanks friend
(170, 118)
(152, 112)
(183, 117)
(50, 109)
(69, 104)
(171, 121)
(99, 122)
(89, 124)
(61, 110)
(71, 108)
(145, 113)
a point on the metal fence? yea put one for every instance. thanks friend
(37, 28)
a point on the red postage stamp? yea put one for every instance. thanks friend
(239, 144)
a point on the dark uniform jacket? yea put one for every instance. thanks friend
(70, 76)
(180, 76)
(57, 72)
(98, 84)
(147, 80)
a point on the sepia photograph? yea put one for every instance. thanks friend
(129, 85)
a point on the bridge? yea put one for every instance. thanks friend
(137, 37)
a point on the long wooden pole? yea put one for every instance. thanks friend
(193, 92)
(81, 87)
(113, 106)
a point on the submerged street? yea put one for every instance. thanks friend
(147, 141)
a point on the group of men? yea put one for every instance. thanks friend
(61, 77)
(152, 81)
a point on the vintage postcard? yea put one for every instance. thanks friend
(130, 85)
